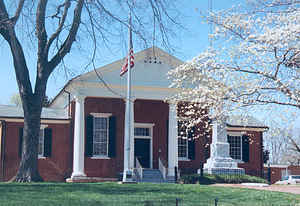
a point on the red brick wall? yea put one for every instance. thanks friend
(145, 111)
(276, 172)
(59, 165)
(191, 166)
(106, 167)
(255, 165)
(157, 112)
(54, 168)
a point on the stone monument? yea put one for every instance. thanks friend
(220, 161)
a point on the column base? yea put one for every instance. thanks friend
(77, 175)
(171, 172)
(128, 177)
(90, 179)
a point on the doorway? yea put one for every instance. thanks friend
(142, 151)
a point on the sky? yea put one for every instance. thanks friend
(190, 42)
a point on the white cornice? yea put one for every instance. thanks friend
(43, 121)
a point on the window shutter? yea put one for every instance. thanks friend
(47, 142)
(167, 140)
(245, 148)
(89, 136)
(20, 141)
(112, 137)
(191, 144)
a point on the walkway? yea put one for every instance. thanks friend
(295, 189)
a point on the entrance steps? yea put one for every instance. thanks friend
(153, 176)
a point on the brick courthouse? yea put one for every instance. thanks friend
(82, 132)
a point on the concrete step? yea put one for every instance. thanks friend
(152, 175)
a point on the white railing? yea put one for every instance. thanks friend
(139, 168)
(162, 168)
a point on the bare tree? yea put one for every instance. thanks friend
(57, 25)
(15, 99)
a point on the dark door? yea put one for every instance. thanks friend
(142, 151)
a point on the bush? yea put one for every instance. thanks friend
(213, 179)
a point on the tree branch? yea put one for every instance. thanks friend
(295, 145)
(15, 18)
(60, 26)
(66, 46)
(4, 19)
(41, 31)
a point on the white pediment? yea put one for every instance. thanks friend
(149, 78)
(150, 70)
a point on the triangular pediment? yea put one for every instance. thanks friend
(149, 79)
(150, 69)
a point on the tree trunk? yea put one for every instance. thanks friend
(28, 168)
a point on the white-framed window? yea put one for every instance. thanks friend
(142, 131)
(182, 142)
(182, 148)
(100, 135)
(44, 141)
(235, 146)
(41, 149)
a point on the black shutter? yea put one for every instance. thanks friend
(245, 148)
(47, 142)
(20, 141)
(167, 141)
(89, 136)
(191, 143)
(179, 128)
(112, 137)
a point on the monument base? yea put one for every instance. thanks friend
(224, 171)
(220, 166)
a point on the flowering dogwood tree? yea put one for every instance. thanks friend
(254, 60)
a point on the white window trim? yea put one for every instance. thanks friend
(186, 158)
(42, 127)
(240, 135)
(107, 115)
(150, 126)
(101, 115)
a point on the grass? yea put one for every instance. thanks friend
(207, 179)
(107, 194)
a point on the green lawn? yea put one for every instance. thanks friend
(106, 194)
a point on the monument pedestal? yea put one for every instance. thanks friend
(220, 161)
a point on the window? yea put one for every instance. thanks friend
(186, 142)
(100, 136)
(142, 131)
(239, 147)
(100, 139)
(235, 149)
(182, 148)
(44, 144)
(41, 143)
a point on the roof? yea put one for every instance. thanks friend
(244, 121)
(10, 111)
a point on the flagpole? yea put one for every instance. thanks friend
(127, 174)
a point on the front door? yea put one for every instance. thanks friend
(142, 151)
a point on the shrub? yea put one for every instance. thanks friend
(212, 179)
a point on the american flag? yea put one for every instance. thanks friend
(124, 68)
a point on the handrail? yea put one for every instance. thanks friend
(139, 168)
(162, 168)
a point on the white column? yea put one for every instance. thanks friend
(78, 151)
(131, 158)
(172, 147)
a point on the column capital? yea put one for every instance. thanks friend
(132, 99)
(173, 107)
(79, 97)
